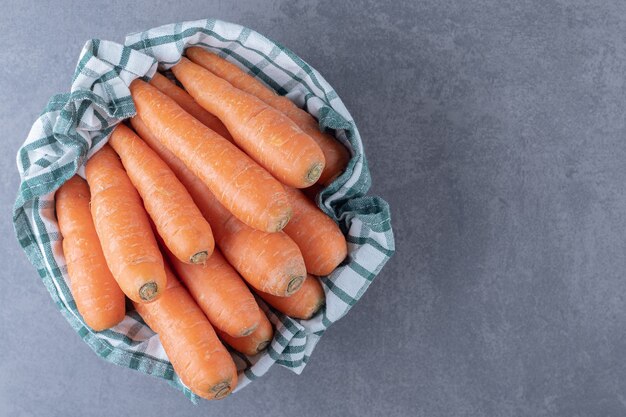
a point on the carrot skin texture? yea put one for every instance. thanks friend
(264, 133)
(99, 299)
(335, 154)
(197, 355)
(303, 304)
(255, 342)
(184, 100)
(196, 187)
(123, 227)
(320, 240)
(271, 262)
(221, 294)
(176, 217)
(242, 186)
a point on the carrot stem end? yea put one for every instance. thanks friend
(199, 258)
(294, 285)
(261, 346)
(148, 291)
(221, 390)
(314, 173)
(282, 223)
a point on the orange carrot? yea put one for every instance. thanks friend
(320, 240)
(264, 133)
(123, 227)
(176, 217)
(98, 297)
(335, 154)
(253, 343)
(270, 262)
(188, 104)
(243, 187)
(199, 358)
(301, 305)
(221, 294)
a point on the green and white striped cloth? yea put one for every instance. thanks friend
(73, 126)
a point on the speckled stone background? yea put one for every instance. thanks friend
(495, 129)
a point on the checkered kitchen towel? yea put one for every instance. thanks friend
(73, 126)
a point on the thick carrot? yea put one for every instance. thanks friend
(301, 305)
(335, 154)
(123, 228)
(253, 343)
(188, 104)
(198, 357)
(98, 297)
(243, 187)
(266, 134)
(270, 262)
(176, 217)
(221, 294)
(320, 240)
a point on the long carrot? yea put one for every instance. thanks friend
(270, 262)
(301, 305)
(243, 187)
(335, 153)
(255, 342)
(221, 294)
(99, 299)
(188, 104)
(176, 217)
(198, 357)
(123, 227)
(266, 134)
(320, 240)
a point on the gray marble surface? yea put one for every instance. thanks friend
(495, 129)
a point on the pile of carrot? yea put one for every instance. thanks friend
(197, 208)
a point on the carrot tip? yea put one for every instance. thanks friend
(314, 173)
(294, 285)
(199, 258)
(148, 291)
(261, 346)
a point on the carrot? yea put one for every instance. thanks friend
(176, 217)
(301, 305)
(123, 227)
(198, 357)
(253, 343)
(335, 154)
(320, 240)
(270, 262)
(221, 294)
(264, 133)
(184, 100)
(99, 299)
(243, 187)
